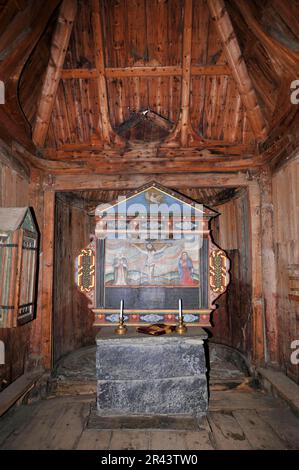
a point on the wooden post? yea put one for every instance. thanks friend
(107, 133)
(183, 133)
(186, 77)
(47, 278)
(269, 265)
(36, 201)
(258, 321)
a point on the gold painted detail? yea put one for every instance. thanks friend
(218, 271)
(86, 270)
(294, 280)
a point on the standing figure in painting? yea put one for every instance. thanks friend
(150, 253)
(120, 270)
(186, 270)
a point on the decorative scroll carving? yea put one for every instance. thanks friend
(218, 271)
(86, 270)
(294, 281)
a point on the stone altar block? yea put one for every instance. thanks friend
(142, 374)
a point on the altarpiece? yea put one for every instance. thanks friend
(150, 249)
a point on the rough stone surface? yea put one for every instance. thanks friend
(151, 375)
(167, 357)
(187, 395)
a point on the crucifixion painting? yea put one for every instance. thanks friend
(152, 255)
(152, 263)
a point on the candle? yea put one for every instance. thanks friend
(180, 309)
(121, 312)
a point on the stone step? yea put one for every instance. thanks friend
(60, 388)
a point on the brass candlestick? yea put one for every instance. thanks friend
(121, 328)
(181, 328)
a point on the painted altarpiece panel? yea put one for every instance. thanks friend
(151, 249)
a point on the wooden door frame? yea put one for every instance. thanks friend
(65, 183)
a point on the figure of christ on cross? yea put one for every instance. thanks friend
(150, 253)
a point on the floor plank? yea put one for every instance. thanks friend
(93, 439)
(37, 433)
(198, 441)
(284, 423)
(227, 433)
(129, 440)
(259, 434)
(181, 440)
(68, 427)
(231, 400)
(15, 422)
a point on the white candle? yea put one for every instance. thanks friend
(121, 312)
(180, 309)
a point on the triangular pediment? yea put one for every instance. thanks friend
(154, 194)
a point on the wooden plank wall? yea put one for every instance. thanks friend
(72, 318)
(233, 317)
(14, 192)
(286, 239)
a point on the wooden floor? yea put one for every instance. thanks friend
(236, 420)
(240, 417)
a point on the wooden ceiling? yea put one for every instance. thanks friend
(149, 86)
(89, 200)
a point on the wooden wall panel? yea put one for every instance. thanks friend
(72, 318)
(286, 239)
(233, 317)
(13, 193)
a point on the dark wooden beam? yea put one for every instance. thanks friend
(71, 182)
(60, 41)
(183, 134)
(149, 158)
(107, 134)
(47, 279)
(25, 24)
(238, 66)
(285, 60)
(158, 71)
(11, 159)
(258, 313)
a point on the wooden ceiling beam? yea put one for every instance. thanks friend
(238, 66)
(285, 60)
(59, 47)
(167, 71)
(71, 182)
(22, 28)
(107, 134)
(146, 159)
(183, 134)
(219, 148)
(9, 158)
(186, 77)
